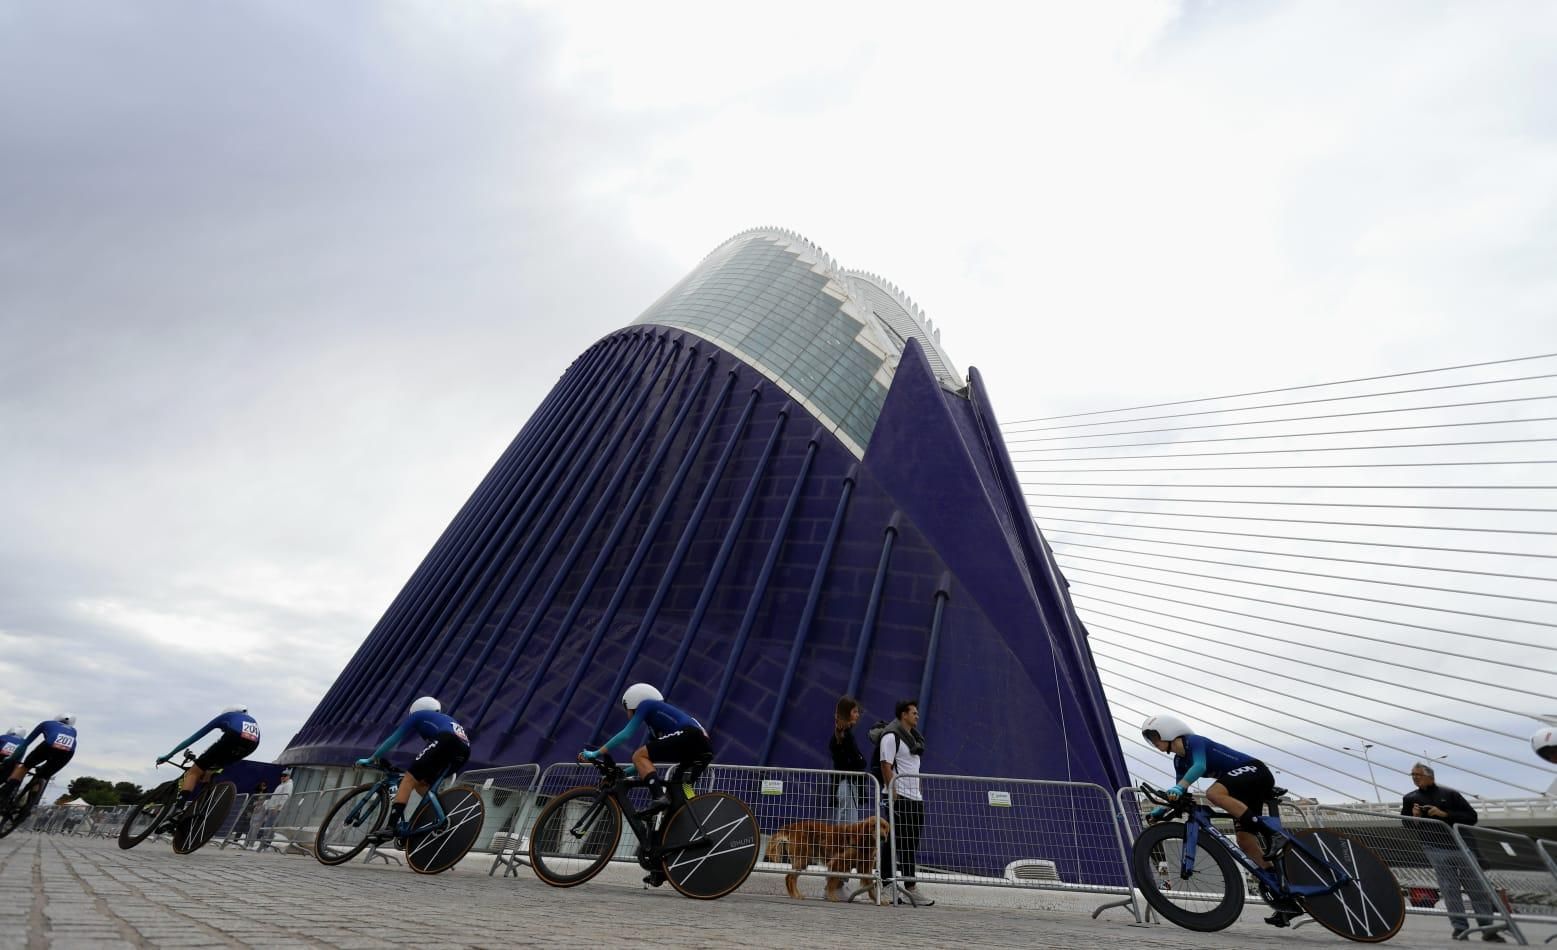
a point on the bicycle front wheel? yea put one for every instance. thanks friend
(1210, 899)
(345, 829)
(437, 850)
(575, 836)
(148, 814)
(210, 811)
(1368, 908)
(20, 806)
(710, 846)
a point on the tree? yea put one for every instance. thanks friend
(93, 791)
(128, 792)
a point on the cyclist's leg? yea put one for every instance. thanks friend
(440, 756)
(1242, 793)
(683, 746)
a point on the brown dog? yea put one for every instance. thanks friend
(842, 849)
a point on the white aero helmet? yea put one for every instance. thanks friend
(17, 731)
(1164, 726)
(66, 718)
(1544, 742)
(426, 704)
(232, 709)
(637, 693)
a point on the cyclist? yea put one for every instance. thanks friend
(1544, 743)
(11, 741)
(447, 749)
(674, 737)
(1242, 786)
(59, 744)
(240, 735)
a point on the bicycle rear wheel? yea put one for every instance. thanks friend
(710, 846)
(1210, 899)
(1369, 908)
(148, 814)
(345, 829)
(210, 811)
(435, 851)
(575, 836)
(21, 806)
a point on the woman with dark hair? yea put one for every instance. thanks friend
(847, 758)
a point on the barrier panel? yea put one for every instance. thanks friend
(848, 803)
(509, 794)
(1548, 852)
(1434, 868)
(298, 822)
(1517, 871)
(1013, 833)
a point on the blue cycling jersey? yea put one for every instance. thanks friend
(662, 719)
(236, 724)
(427, 724)
(1206, 758)
(9, 743)
(56, 735)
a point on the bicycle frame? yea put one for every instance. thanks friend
(390, 783)
(1198, 821)
(616, 784)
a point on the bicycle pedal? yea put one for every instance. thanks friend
(654, 879)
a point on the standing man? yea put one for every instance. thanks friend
(272, 806)
(1450, 864)
(900, 747)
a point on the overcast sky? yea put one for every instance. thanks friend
(278, 281)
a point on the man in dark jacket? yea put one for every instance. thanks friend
(1450, 863)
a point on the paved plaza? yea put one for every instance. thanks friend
(63, 892)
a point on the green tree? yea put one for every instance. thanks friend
(93, 791)
(128, 792)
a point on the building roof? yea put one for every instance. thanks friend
(830, 338)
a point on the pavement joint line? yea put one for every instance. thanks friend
(37, 921)
(125, 929)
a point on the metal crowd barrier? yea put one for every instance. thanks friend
(780, 797)
(1432, 864)
(509, 795)
(1009, 833)
(1515, 867)
(298, 822)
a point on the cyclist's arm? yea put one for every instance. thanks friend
(627, 732)
(388, 745)
(190, 741)
(1197, 765)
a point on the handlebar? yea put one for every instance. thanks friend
(1174, 806)
(188, 755)
(609, 770)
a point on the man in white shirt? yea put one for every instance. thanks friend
(272, 810)
(900, 749)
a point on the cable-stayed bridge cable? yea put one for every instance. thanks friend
(1296, 435)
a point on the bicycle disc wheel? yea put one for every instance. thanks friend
(1210, 899)
(710, 846)
(435, 851)
(147, 814)
(20, 806)
(210, 811)
(346, 827)
(1369, 908)
(575, 836)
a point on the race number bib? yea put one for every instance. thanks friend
(7, 749)
(64, 742)
(251, 731)
(459, 731)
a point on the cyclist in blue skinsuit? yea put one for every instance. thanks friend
(240, 736)
(51, 755)
(1243, 785)
(674, 736)
(11, 741)
(447, 749)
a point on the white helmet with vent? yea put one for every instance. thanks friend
(637, 693)
(1166, 727)
(426, 704)
(1544, 742)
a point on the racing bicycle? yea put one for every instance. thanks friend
(444, 827)
(706, 848)
(156, 812)
(1192, 873)
(21, 803)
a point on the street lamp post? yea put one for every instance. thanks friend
(1366, 746)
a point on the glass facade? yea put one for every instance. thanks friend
(829, 338)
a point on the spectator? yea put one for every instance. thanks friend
(847, 758)
(1450, 864)
(246, 825)
(900, 748)
(273, 806)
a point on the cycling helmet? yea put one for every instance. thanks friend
(426, 704)
(65, 718)
(637, 693)
(17, 731)
(1544, 743)
(1164, 726)
(232, 709)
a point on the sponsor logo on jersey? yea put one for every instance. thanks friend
(1240, 770)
